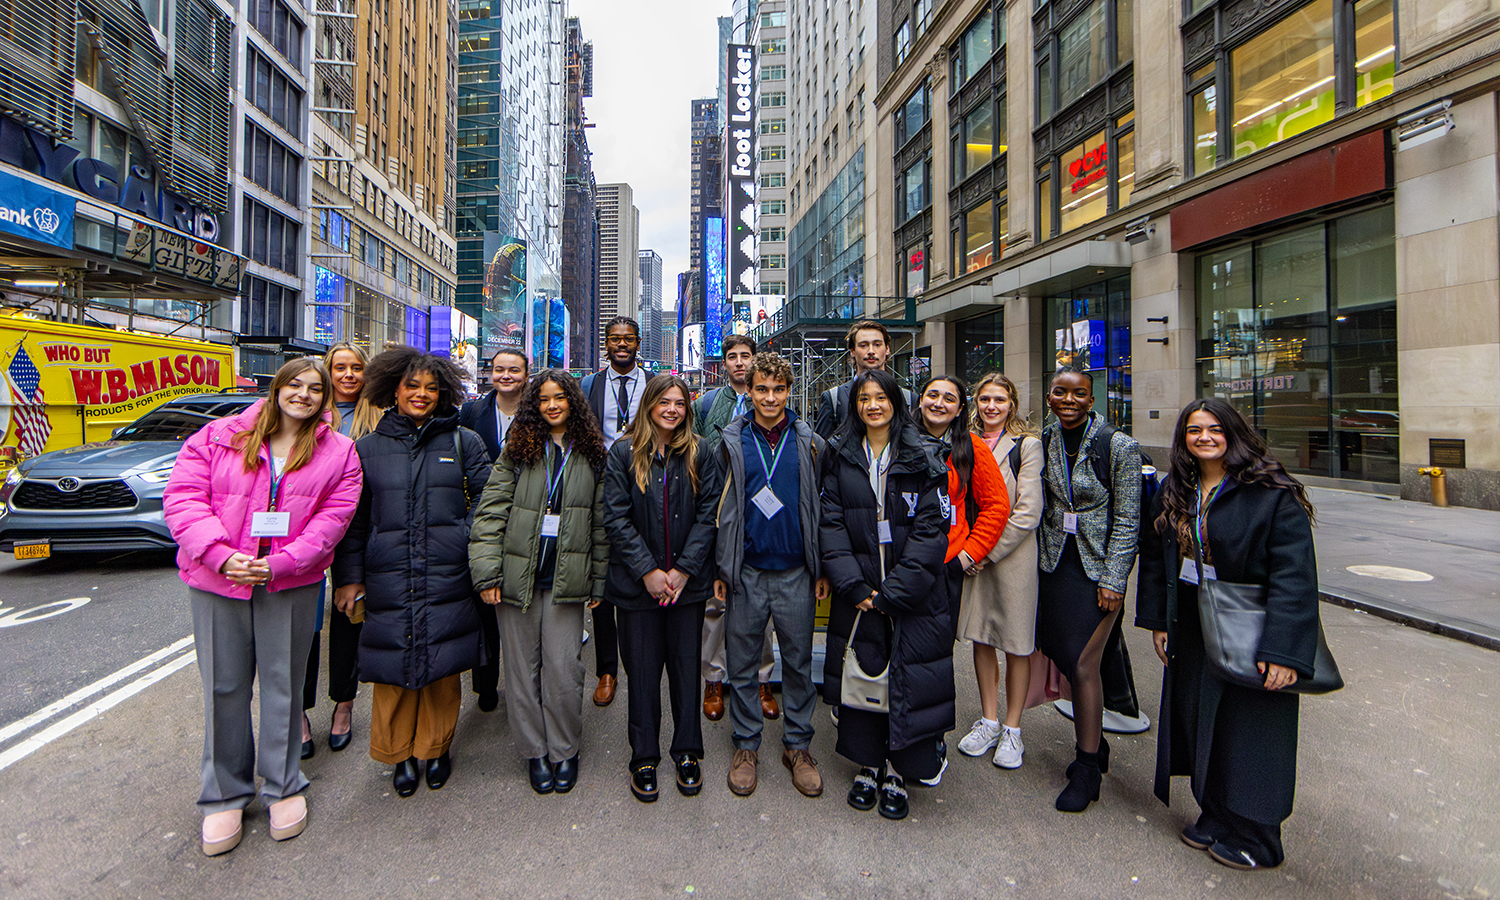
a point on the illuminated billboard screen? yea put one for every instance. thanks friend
(715, 311)
(504, 321)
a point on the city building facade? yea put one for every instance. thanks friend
(119, 204)
(619, 255)
(649, 269)
(769, 38)
(381, 216)
(580, 238)
(511, 159)
(1289, 205)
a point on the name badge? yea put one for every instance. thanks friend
(1070, 523)
(883, 528)
(1189, 572)
(766, 501)
(270, 524)
(549, 525)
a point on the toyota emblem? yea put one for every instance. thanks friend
(69, 484)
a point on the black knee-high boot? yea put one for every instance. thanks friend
(1083, 783)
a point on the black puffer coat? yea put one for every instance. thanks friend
(409, 546)
(912, 595)
(633, 520)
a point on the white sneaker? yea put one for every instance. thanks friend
(937, 779)
(981, 739)
(1008, 754)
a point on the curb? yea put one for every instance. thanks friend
(1457, 629)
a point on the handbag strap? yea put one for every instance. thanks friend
(849, 646)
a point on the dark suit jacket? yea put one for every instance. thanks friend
(594, 389)
(479, 417)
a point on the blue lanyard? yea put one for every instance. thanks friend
(554, 483)
(1203, 512)
(775, 460)
(1068, 468)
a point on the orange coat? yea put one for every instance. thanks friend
(994, 506)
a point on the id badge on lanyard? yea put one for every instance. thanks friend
(271, 523)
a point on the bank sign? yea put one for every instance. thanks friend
(30, 211)
(135, 191)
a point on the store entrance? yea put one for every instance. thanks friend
(1089, 328)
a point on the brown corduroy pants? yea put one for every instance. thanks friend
(420, 723)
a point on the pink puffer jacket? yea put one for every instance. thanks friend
(210, 498)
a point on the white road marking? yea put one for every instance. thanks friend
(108, 701)
(84, 693)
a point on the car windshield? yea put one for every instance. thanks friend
(164, 425)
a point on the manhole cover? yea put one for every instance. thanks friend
(1390, 573)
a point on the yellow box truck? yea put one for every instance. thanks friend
(66, 385)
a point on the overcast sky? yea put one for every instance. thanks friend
(651, 60)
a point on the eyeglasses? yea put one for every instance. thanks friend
(622, 339)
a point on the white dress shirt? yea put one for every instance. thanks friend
(636, 385)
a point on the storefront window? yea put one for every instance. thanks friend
(1374, 49)
(981, 346)
(1124, 162)
(1044, 208)
(977, 142)
(1090, 328)
(1299, 332)
(1282, 80)
(979, 236)
(1085, 194)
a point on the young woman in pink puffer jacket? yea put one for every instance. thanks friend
(257, 502)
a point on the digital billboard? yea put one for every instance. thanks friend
(739, 167)
(692, 347)
(504, 322)
(715, 311)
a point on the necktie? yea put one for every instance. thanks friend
(623, 399)
(739, 405)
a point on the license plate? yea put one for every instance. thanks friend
(34, 550)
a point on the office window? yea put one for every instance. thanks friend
(773, 126)
(1081, 52)
(916, 191)
(773, 45)
(912, 115)
(772, 154)
(773, 207)
(773, 261)
(772, 234)
(772, 99)
(773, 20)
(974, 49)
(902, 41)
(975, 145)
(270, 238)
(773, 73)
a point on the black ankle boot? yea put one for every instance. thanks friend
(1103, 756)
(1083, 784)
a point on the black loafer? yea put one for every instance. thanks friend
(336, 742)
(405, 778)
(893, 798)
(438, 771)
(488, 701)
(541, 775)
(689, 776)
(643, 783)
(1196, 838)
(565, 774)
(862, 793)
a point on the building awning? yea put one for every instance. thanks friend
(1063, 270)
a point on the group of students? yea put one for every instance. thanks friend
(466, 536)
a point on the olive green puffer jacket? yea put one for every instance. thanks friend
(505, 542)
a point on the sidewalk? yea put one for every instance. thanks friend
(1458, 548)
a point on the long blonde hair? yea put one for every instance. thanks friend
(643, 430)
(269, 420)
(366, 415)
(1015, 423)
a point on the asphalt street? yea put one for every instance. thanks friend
(1396, 794)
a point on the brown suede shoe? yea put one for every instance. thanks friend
(742, 776)
(804, 769)
(768, 707)
(604, 694)
(713, 700)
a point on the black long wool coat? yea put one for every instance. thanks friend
(1238, 744)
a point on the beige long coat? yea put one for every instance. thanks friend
(999, 604)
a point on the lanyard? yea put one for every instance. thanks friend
(1203, 511)
(623, 394)
(275, 479)
(1068, 469)
(554, 483)
(775, 460)
(878, 465)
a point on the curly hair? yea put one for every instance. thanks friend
(526, 442)
(771, 365)
(1246, 460)
(388, 370)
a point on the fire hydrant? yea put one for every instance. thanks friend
(1439, 484)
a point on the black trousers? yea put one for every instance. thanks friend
(865, 740)
(652, 640)
(486, 678)
(606, 641)
(343, 661)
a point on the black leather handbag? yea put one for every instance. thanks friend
(1233, 617)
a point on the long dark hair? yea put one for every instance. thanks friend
(961, 452)
(1246, 459)
(527, 439)
(903, 431)
(386, 371)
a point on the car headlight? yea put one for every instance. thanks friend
(14, 478)
(158, 476)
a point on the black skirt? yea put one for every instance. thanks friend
(1067, 610)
